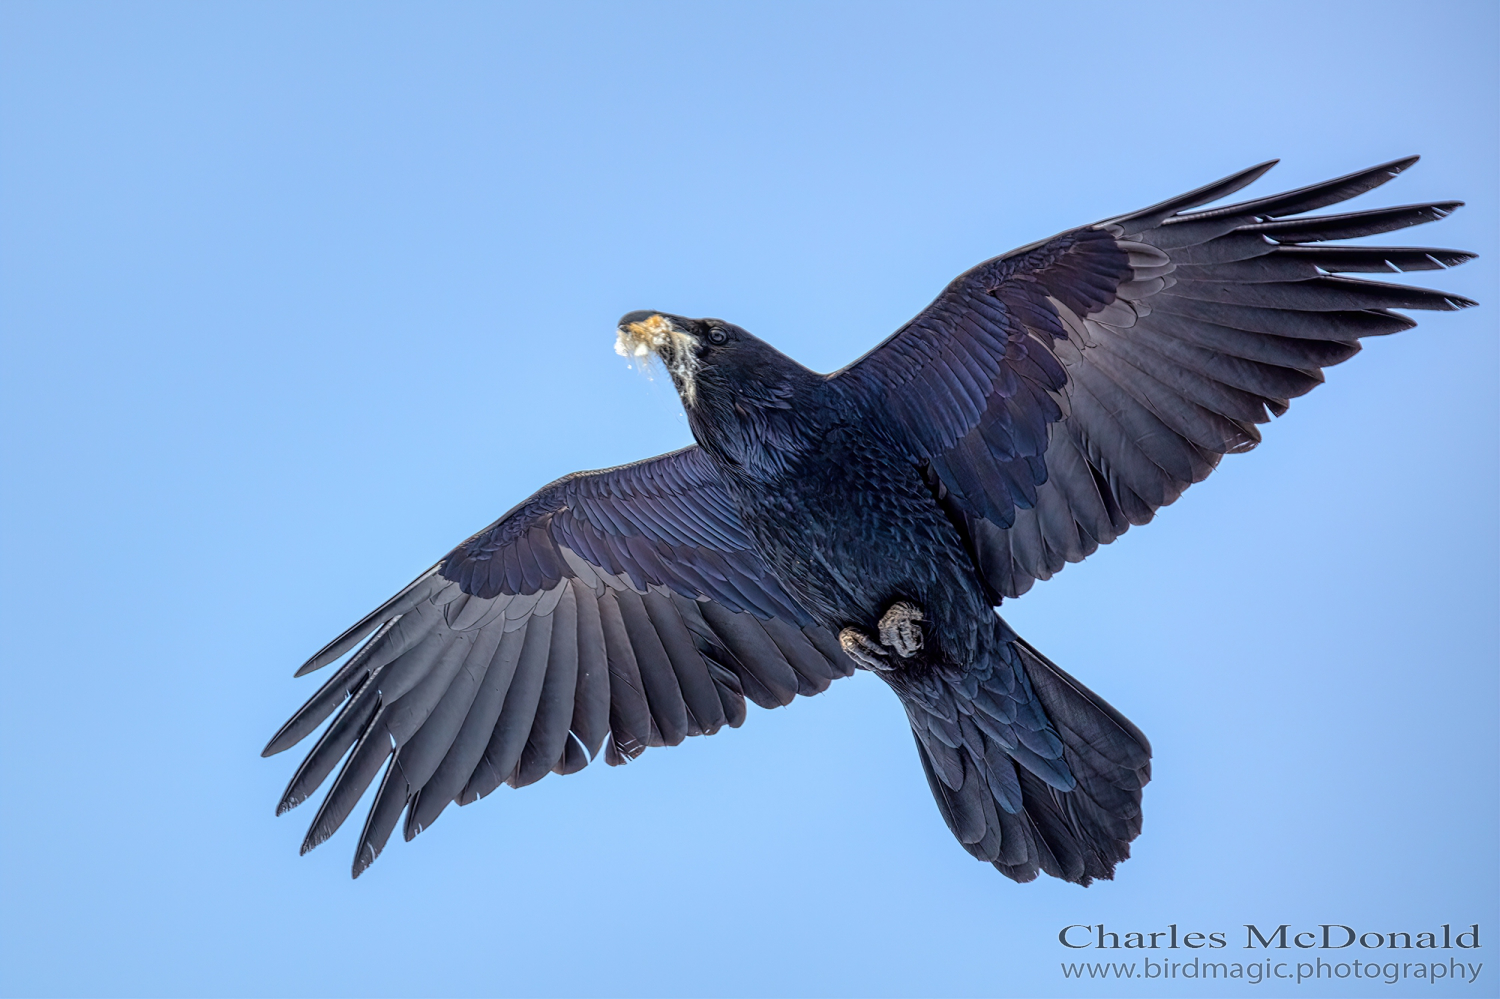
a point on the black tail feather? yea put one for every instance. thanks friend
(1077, 834)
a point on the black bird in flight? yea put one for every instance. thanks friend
(872, 518)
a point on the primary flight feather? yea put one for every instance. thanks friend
(872, 518)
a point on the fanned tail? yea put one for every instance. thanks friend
(1031, 770)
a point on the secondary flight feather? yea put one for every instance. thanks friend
(872, 518)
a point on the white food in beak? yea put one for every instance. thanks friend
(677, 350)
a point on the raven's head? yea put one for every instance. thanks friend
(703, 356)
(732, 383)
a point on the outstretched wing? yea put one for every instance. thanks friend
(1065, 391)
(623, 605)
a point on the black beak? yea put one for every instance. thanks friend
(641, 315)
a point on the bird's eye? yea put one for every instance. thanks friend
(717, 335)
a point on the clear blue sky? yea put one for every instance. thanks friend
(295, 297)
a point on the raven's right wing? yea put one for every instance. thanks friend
(624, 604)
(1061, 393)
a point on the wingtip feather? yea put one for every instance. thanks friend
(1206, 194)
(363, 860)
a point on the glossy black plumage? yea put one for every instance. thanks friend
(1046, 401)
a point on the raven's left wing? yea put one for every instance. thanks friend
(1065, 391)
(624, 604)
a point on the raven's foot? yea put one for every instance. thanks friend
(863, 650)
(900, 630)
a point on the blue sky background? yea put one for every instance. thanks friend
(295, 297)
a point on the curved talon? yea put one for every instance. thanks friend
(900, 630)
(863, 651)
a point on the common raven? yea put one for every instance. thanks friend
(872, 518)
